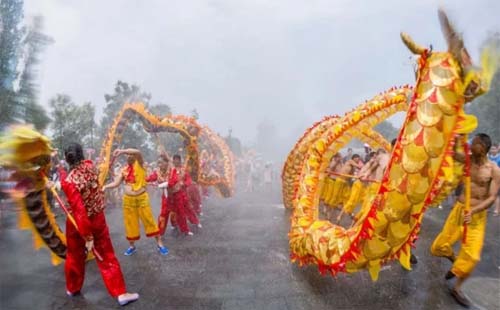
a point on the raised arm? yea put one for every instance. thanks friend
(130, 151)
(368, 169)
(116, 181)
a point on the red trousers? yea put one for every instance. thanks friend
(165, 213)
(74, 267)
(194, 196)
(178, 203)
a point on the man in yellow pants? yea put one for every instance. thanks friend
(373, 171)
(330, 179)
(136, 205)
(341, 187)
(485, 182)
(358, 191)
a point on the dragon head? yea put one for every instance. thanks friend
(456, 65)
(27, 152)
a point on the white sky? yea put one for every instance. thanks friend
(240, 62)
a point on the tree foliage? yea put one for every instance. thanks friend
(11, 33)
(35, 42)
(134, 135)
(387, 130)
(20, 50)
(161, 110)
(195, 114)
(233, 143)
(487, 107)
(71, 122)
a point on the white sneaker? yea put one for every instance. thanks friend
(190, 233)
(72, 294)
(199, 225)
(126, 298)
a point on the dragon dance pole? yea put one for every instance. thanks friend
(70, 217)
(466, 185)
(353, 176)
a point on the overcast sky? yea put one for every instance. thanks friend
(241, 62)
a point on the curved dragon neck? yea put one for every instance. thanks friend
(419, 163)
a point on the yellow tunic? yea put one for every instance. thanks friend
(138, 207)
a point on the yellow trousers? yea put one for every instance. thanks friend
(135, 208)
(355, 196)
(326, 194)
(369, 195)
(470, 251)
(337, 197)
(347, 193)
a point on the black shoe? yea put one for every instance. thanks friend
(450, 258)
(449, 275)
(413, 259)
(460, 298)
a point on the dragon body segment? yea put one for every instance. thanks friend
(295, 161)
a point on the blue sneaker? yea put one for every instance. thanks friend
(131, 250)
(163, 250)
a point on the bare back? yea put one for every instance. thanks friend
(382, 161)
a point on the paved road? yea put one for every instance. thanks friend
(238, 261)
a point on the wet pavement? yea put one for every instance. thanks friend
(239, 260)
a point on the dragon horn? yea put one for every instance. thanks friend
(412, 46)
(454, 39)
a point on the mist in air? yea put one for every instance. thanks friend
(266, 70)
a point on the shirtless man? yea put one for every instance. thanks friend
(485, 183)
(333, 169)
(374, 172)
(376, 168)
(347, 169)
(357, 189)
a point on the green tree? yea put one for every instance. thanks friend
(35, 42)
(134, 135)
(161, 110)
(387, 130)
(88, 124)
(233, 143)
(71, 122)
(487, 107)
(11, 33)
(171, 142)
(195, 114)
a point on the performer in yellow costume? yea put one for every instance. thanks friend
(330, 179)
(136, 203)
(358, 191)
(341, 187)
(484, 186)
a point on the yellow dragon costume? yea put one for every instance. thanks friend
(420, 173)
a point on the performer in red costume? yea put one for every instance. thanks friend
(86, 200)
(160, 176)
(194, 197)
(179, 179)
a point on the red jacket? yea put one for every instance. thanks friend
(85, 195)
